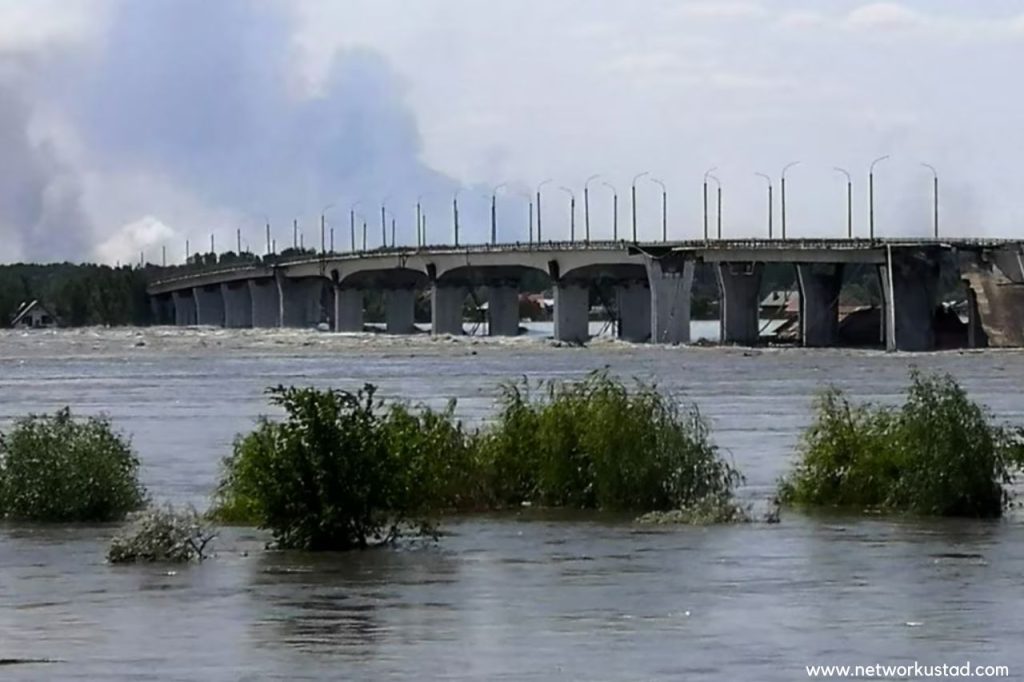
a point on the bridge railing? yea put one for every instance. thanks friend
(272, 261)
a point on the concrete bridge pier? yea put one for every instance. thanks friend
(348, 310)
(184, 308)
(400, 311)
(266, 306)
(909, 280)
(300, 301)
(446, 303)
(572, 308)
(502, 310)
(671, 283)
(740, 286)
(162, 308)
(237, 305)
(209, 306)
(633, 301)
(820, 284)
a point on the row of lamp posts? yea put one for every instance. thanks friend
(357, 219)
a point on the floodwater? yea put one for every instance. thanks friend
(519, 596)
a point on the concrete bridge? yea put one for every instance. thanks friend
(652, 284)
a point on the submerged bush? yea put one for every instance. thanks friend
(343, 470)
(596, 444)
(938, 454)
(56, 468)
(162, 534)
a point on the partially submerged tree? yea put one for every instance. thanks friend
(162, 535)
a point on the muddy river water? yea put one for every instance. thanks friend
(518, 596)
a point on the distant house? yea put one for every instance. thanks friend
(32, 315)
(780, 304)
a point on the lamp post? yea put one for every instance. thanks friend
(633, 197)
(494, 212)
(771, 202)
(786, 168)
(615, 210)
(419, 221)
(572, 213)
(849, 200)
(707, 176)
(455, 214)
(540, 236)
(871, 195)
(323, 228)
(935, 197)
(529, 202)
(586, 206)
(718, 210)
(664, 208)
(352, 224)
(384, 222)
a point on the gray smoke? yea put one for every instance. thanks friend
(40, 211)
(204, 94)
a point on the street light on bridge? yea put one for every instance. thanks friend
(323, 229)
(849, 200)
(455, 214)
(871, 195)
(586, 206)
(664, 208)
(615, 209)
(540, 236)
(572, 212)
(633, 197)
(352, 224)
(707, 176)
(935, 197)
(419, 220)
(783, 189)
(384, 222)
(529, 200)
(718, 212)
(494, 212)
(771, 202)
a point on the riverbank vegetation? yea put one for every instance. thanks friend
(345, 470)
(57, 468)
(937, 454)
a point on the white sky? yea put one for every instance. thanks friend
(532, 89)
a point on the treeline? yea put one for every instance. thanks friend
(78, 295)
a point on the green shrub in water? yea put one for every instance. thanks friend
(57, 468)
(597, 444)
(937, 454)
(345, 471)
(162, 534)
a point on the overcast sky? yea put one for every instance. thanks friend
(129, 125)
